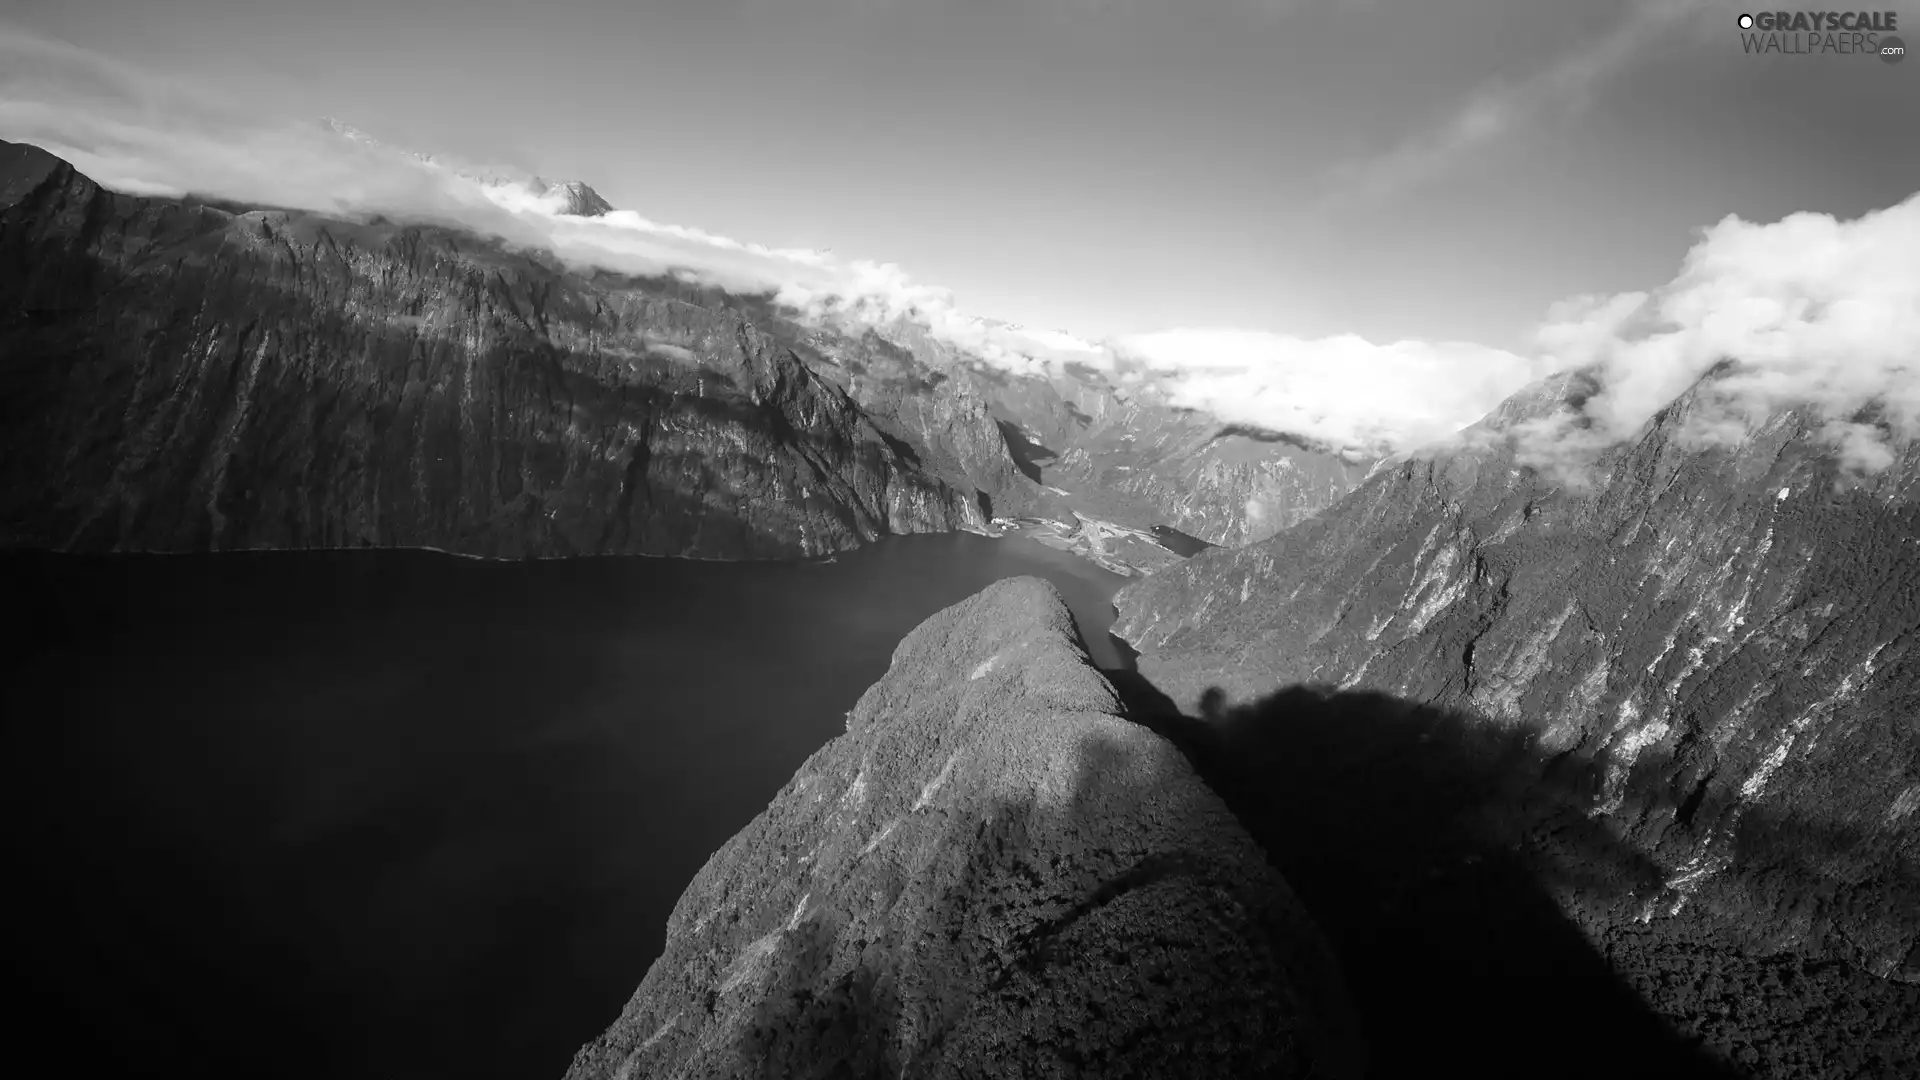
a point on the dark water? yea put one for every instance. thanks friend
(398, 814)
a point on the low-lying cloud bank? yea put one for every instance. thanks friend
(1815, 310)
(1343, 391)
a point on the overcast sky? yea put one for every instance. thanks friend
(1435, 169)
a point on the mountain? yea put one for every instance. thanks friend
(944, 416)
(1228, 484)
(990, 874)
(1127, 454)
(184, 376)
(554, 196)
(1706, 650)
(564, 196)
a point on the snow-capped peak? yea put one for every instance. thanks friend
(571, 197)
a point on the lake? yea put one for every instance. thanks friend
(400, 814)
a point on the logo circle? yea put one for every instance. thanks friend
(1746, 22)
(1892, 50)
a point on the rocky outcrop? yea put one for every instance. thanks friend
(1713, 644)
(176, 376)
(989, 874)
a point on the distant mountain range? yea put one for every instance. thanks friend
(186, 375)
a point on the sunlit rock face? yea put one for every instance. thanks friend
(1719, 640)
(1127, 453)
(943, 417)
(1226, 486)
(1142, 457)
(989, 874)
(175, 376)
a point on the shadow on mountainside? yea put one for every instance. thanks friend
(1406, 832)
(1027, 455)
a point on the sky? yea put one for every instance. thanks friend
(1193, 176)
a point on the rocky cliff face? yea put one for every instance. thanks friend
(1126, 454)
(1710, 651)
(1227, 486)
(944, 417)
(989, 874)
(175, 376)
(1134, 456)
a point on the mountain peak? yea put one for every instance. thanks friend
(570, 196)
(23, 167)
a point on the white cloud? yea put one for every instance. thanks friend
(1344, 391)
(1499, 107)
(1816, 310)
(1811, 310)
(136, 132)
(132, 131)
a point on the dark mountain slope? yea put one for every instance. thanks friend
(175, 376)
(1401, 828)
(1711, 648)
(989, 874)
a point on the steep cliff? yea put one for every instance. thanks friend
(989, 874)
(1133, 455)
(942, 416)
(1124, 452)
(177, 376)
(1227, 485)
(1708, 650)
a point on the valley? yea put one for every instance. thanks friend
(465, 633)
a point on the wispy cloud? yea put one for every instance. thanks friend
(133, 131)
(1498, 109)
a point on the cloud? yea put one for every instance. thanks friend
(1808, 311)
(1813, 310)
(137, 132)
(1498, 108)
(140, 133)
(1343, 391)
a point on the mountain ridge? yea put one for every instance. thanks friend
(404, 386)
(929, 449)
(990, 871)
(1712, 642)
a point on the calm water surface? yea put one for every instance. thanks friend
(405, 815)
